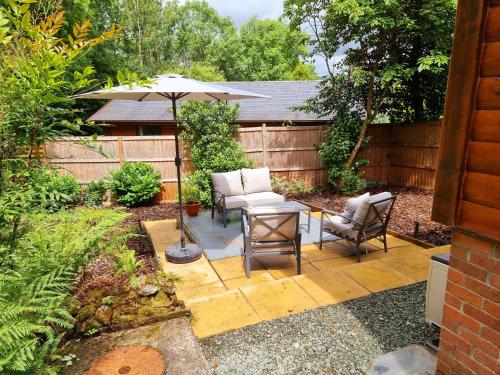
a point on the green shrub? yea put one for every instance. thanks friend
(351, 183)
(135, 183)
(54, 191)
(283, 184)
(94, 192)
(35, 285)
(209, 134)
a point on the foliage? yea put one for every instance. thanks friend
(284, 185)
(190, 191)
(390, 59)
(351, 182)
(127, 262)
(209, 136)
(54, 191)
(94, 192)
(135, 183)
(35, 283)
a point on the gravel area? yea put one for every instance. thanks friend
(412, 205)
(336, 339)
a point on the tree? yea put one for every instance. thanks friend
(375, 39)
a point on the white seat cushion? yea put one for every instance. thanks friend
(336, 224)
(352, 205)
(256, 180)
(228, 183)
(255, 199)
(362, 211)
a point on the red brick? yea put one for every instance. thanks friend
(449, 323)
(487, 360)
(463, 294)
(455, 341)
(482, 289)
(491, 335)
(459, 252)
(454, 366)
(472, 364)
(456, 276)
(492, 308)
(484, 261)
(468, 268)
(461, 318)
(481, 316)
(495, 280)
(472, 243)
(480, 343)
(453, 301)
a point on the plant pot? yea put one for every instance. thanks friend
(192, 209)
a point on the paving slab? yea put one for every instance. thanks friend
(174, 339)
(414, 265)
(278, 298)
(391, 242)
(193, 274)
(281, 273)
(331, 264)
(255, 278)
(203, 290)
(436, 250)
(411, 360)
(376, 276)
(232, 268)
(329, 287)
(279, 261)
(220, 313)
(312, 253)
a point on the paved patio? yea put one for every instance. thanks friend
(222, 299)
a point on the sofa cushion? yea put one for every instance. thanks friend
(336, 224)
(352, 205)
(228, 183)
(256, 180)
(255, 199)
(362, 211)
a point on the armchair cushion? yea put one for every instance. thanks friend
(228, 183)
(256, 180)
(255, 199)
(362, 210)
(271, 224)
(336, 224)
(352, 205)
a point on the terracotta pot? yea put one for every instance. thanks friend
(192, 209)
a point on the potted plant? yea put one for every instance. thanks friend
(191, 198)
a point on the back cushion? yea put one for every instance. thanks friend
(228, 183)
(352, 205)
(362, 210)
(256, 180)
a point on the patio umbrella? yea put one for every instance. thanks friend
(172, 88)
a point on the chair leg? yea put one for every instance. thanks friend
(213, 210)
(248, 262)
(299, 260)
(224, 217)
(357, 252)
(321, 232)
(385, 242)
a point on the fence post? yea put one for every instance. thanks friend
(264, 145)
(121, 152)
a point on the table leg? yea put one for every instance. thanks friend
(309, 222)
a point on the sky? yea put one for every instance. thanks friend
(241, 10)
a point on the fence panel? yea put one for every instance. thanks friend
(399, 154)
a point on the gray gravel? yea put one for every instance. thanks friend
(336, 339)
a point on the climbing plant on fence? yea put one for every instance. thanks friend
(209, 134)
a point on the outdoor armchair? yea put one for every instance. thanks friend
(270, 231)
(369, 221)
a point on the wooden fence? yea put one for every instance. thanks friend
(399, 154)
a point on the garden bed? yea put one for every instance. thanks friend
(412, 205)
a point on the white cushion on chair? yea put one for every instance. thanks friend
(228, 183)
(352, 205)
(362, 211)
(336, 224)
(255, 199)
(256, 180)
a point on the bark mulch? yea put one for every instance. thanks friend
(412, 204)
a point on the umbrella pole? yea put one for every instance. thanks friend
(178, 162)
(180, 253)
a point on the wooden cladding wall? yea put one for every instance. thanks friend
(399, 154)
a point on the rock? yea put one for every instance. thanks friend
(148, 290)
(86, 312)
(89, 325)
(414, 360)
(104, 314)
(74, 306)
(121, 322)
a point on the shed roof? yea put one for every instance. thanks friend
(284, 96)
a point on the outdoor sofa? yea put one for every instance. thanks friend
(364, 218)
(242, 188)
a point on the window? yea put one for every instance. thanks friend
(150, 130)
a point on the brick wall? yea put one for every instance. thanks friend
(470, 332)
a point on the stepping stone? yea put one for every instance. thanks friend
(412, 360)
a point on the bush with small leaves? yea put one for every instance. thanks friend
(135, 183)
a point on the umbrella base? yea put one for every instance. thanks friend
(180, 255)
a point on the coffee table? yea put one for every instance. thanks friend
(288, 204)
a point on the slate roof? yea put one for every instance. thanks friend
(284, 96)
